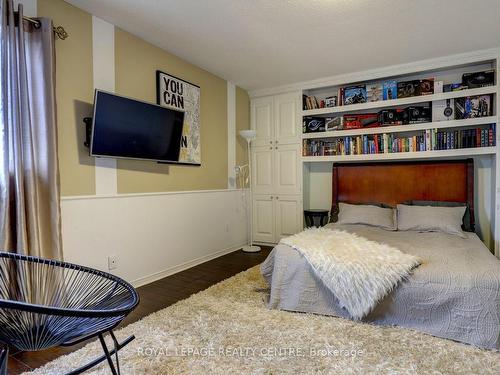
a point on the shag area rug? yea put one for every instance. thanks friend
(227, 329)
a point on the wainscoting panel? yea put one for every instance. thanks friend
(153, 235)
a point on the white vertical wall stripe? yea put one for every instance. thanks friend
(231, 135)
(103, 50)
(103, 54)
(29, 7)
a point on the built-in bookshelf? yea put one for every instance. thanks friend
(407, 139)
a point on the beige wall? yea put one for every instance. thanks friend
(74, 95)
(135, 65)
(136, 62)
(242, 123)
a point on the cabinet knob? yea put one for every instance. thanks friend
(271, 197)
(276, 142)
(271, 142)
(276, 147)
(277, 198)
(270, 148)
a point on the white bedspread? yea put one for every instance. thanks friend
(359, 272)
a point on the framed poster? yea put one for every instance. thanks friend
(175, 93)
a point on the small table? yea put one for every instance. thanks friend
(316, 216)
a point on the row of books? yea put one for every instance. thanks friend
(428, 140)
(312, 102)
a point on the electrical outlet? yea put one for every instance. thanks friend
(112, 262)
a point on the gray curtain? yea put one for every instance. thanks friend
(29, 174)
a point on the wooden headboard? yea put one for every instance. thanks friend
(398, 182)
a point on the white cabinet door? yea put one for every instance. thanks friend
(288, 213)
(262, 120)
(287, 169)
(263, 218)
(286, 118)
(262, 170)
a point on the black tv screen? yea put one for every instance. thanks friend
(128, 128)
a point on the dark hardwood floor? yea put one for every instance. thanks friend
(154, 297)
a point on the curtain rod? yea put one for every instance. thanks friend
(58, 30)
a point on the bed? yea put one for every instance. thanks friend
(453, 294)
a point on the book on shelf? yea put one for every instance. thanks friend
(374, 92)
(341, 96)
(425, 140)
(389, 90)
(473, 106)
(354, 94)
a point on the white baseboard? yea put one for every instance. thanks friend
(183, 266)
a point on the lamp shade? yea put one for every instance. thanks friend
(248, 134)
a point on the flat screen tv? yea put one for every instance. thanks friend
(132, 129)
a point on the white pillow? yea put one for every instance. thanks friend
(431, 219)
(367, 214)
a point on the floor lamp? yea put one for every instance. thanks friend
(249, 136)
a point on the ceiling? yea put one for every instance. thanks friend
(265, 43)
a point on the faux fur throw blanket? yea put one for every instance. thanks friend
(359, 272)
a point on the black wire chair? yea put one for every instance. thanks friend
(3, 360)
(46, 303)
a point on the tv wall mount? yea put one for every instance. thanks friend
(88, 131)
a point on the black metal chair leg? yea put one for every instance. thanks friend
(108, 356)
(4, 358)
(96, 361)
(117, 347)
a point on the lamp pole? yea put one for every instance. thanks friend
(249, 135)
